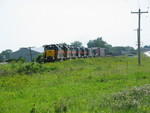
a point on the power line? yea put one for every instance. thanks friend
(138, 3)
(129, 5)
(148, 4)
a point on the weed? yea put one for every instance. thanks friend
(33, 110)
(90, 85)
(62, 105)
(129, 99)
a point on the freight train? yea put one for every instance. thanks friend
(56, 52)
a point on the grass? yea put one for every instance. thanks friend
(94, 85)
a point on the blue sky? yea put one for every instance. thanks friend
(25, 23)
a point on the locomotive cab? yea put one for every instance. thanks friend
(52, 53)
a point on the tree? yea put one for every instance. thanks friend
(1, 56)
(130, 50)
(40, 58)
(76, 44)
(99, 42)
(63, 44)
(120, 50)
(7, 52)
(146, 46)
(21, 59)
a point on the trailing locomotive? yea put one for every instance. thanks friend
(56, 52)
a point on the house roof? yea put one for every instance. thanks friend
(25, 53)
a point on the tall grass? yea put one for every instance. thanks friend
(95, 85)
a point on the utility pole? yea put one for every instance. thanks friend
(137, 33)
(139, 29)
(30, 52)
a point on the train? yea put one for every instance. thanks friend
(57, 52)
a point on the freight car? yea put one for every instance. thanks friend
(56, 52)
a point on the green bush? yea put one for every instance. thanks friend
(131, 99)
(20, 59)
(12, 60)
(40, 58)
(30, 68)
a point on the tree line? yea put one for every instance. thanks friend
(114, 51)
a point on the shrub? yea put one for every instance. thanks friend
(62, 105)
(20, 59)
(129, 99)
(30, 68)
(12, 60)
(40, 58)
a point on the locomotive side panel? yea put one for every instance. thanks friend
(78, 52)
(73, 52)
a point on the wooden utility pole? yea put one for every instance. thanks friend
(30, 52)
(139, 27)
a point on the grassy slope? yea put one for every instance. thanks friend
(78, 86)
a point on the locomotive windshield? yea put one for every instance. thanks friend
(50, 47)
(46, 48)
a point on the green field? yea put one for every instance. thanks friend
(92, 85)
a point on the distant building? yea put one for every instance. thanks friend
(146, 49)
(25, 53)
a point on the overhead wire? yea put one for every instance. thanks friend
(145, 16)
(148, 4)
(129, 6)
(138, 4)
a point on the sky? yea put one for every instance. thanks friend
(34, 23)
